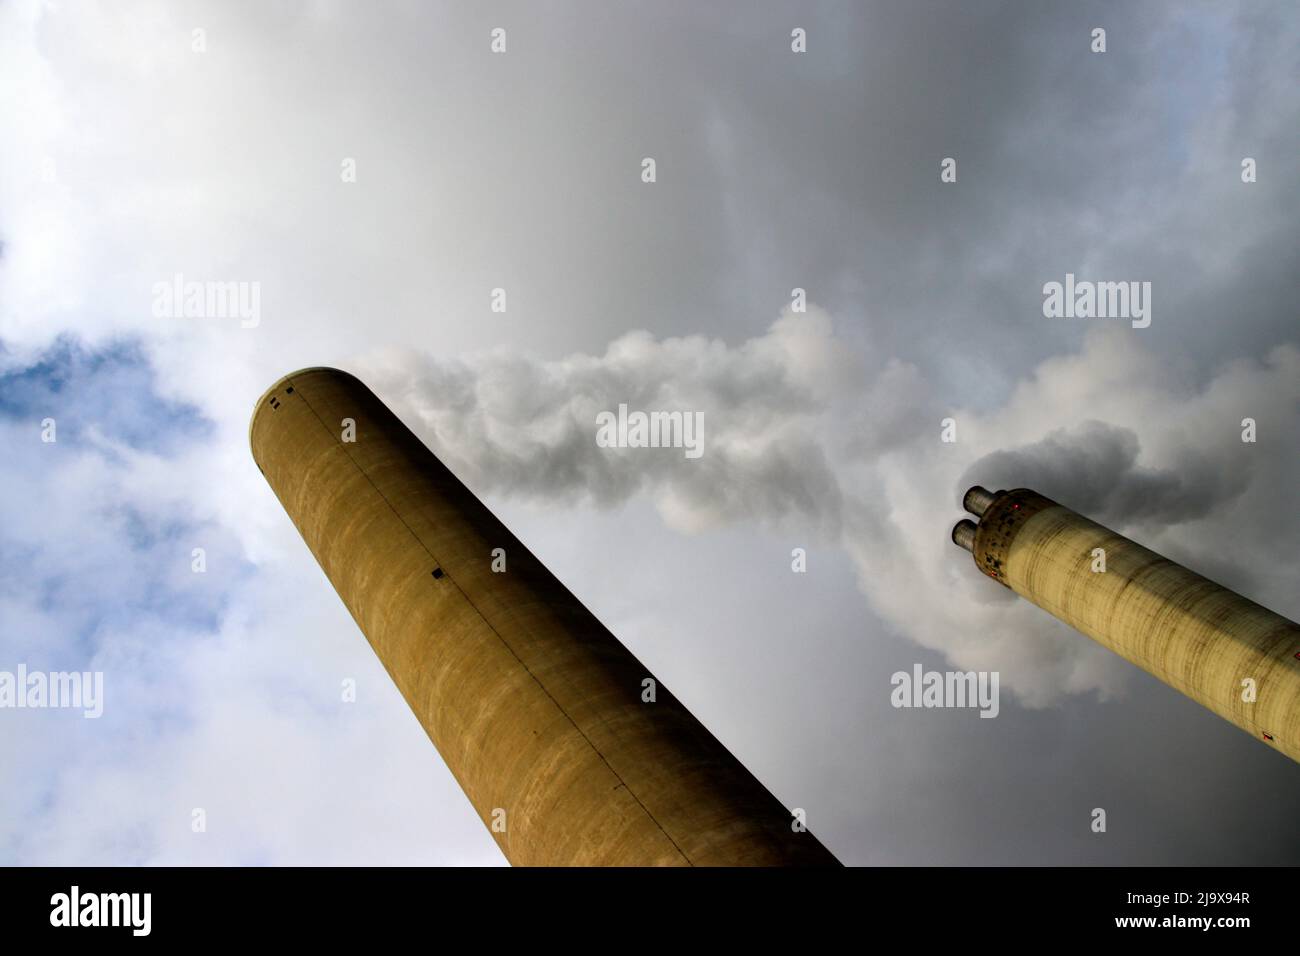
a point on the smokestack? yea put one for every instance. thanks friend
(1227, 653)
(977, 500)
(569, 749)
(963, 534)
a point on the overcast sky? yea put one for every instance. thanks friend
(135, 149)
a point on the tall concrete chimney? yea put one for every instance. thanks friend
(540, 713)
(1225, 652)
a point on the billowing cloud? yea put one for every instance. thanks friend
(800, 436)
(507, 423)
(1095, 467)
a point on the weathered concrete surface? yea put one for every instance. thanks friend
(535, 707)
(1196, 636)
